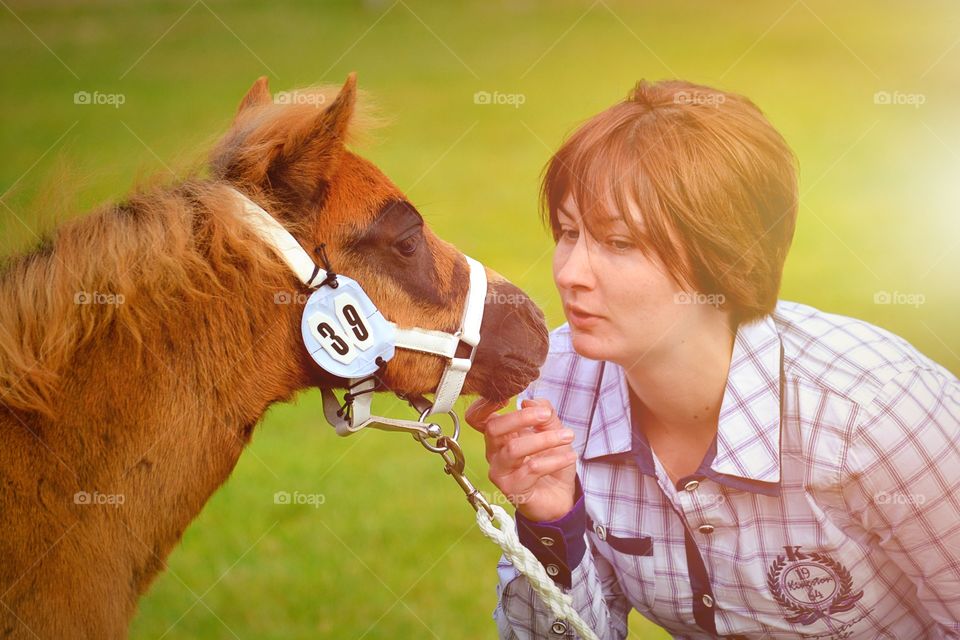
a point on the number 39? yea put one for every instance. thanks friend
(341, 337)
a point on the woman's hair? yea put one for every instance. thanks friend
(715, 183)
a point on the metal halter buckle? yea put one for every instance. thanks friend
(454, 438)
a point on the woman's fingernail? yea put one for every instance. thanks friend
(543, 413)
(566, 436)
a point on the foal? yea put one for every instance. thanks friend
(142, 344)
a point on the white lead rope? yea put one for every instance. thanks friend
(503, 533)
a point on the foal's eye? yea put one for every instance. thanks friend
(408, 245)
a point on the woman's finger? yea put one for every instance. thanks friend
(537, 416)
(553, 422)
(516, 450)
(545, 464)
(516, 471)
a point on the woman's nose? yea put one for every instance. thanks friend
(574, 268)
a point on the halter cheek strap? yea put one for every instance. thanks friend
(281, 241)
(446, 345)
(355, 414)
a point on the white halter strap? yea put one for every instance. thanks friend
(281, 241)
(439, 343)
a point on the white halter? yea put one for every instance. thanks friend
(355, 414)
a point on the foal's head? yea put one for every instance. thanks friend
(292, 152)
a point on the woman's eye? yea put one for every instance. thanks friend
(620, 244)
(408, 246)
(568, 234)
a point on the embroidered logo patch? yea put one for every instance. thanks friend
(812, 586)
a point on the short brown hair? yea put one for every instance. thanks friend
(715, 182)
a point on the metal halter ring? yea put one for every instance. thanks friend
(456, 431)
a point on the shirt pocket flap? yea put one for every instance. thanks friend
(639, 546)
(642, 546)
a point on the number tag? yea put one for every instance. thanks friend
(329, 335)
(344, 331)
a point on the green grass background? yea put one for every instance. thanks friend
(392, 552)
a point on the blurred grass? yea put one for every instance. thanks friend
(391, 552)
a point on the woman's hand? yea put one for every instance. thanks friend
(530, 455)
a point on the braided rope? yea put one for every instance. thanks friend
(502, 531)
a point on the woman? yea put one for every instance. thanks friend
(727, 464)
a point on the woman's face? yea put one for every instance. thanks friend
(621, 303)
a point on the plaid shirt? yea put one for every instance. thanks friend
(827, 507)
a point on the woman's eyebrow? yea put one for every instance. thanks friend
(606, 221)
(563, 212)
(612, 220)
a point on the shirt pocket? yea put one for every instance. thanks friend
(631, 554)
(641, 546)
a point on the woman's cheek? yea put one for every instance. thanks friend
(558, 259)
(561, 254)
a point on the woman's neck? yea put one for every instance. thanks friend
(680, 387)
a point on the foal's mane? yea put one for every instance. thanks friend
(129, 267)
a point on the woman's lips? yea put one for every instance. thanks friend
(580, 318)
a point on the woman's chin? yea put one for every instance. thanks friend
(589, 345)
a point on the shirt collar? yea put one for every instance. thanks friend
(746, 451)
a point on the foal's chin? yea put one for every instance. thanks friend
(497, 377)
(513, 376)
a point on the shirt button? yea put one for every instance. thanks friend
(692, 485)
(559, 627)
(707, 600)
(705, 528)
(600, 531)
(552, 570)
(546, 541)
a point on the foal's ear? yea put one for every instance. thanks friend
(336, 118)
(309, 153)
(292, 150)
(323, 135)
(258, 94)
